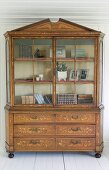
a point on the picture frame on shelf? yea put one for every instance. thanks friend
(73, 75)
(83, 74)
(60, 52)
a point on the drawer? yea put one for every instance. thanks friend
(40, 144)
(76, 117)
(33, 130)
(33, 117)
(75, 144)
(76, 130)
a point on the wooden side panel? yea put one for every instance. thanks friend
(99, 131)
(9, 131)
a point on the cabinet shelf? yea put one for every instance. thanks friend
(75, 81)
(31, 81)
(79, 59)
(33, 59)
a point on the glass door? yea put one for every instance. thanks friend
(75, 71)
(33, 71)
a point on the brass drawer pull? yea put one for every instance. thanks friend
(34, 117)
(75, 142)
(34, 129)
(75, 129)
(75, 116)
(34, 142)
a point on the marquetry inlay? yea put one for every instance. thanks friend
(75, 143)
(27, 130)
(76, 130)
(31, 144)
(76, 117)
(34, 117)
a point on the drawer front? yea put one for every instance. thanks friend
(76, 130)
(33, 130)
(75, 144)
(76, 117)
(33, 117)
(41, 144)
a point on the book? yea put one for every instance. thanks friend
(39, 98)
(67, 98)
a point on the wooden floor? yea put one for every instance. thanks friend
(55, 161)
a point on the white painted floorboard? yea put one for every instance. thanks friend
(55, 161)
(49, 161)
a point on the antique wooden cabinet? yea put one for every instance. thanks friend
(54, 88)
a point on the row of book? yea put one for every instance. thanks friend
(25, 51)
(43, 99)
(37, 98)
(61, 99)
(78, 53)
(85, 98)
(74, 98)
(28, 100)
(67, 98)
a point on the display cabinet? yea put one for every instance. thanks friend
(54, 88)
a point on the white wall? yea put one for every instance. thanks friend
(6, 27)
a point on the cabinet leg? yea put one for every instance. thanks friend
(97, 155)
(11, 155)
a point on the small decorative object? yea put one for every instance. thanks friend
(62, 71)
(83, 74)
(60, 52)
(37, 78)
(37, 53)
(74, 75)
(40, 76)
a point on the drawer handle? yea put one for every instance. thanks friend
(34, 117)
(75, 129)
(75, 142)
(34, 129)
(34, 142)
(75, 116)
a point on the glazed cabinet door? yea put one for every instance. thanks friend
(33, 73)
(75, 71)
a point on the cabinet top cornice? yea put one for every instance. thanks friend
(56, 28)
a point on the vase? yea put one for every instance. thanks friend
(62, 75)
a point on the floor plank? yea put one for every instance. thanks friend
(2, 160)
(69, 160)
(49, 161)
(81, 161)
(21, 161)
(104, 160)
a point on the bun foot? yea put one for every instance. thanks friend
(97, 155)
(11, 155)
